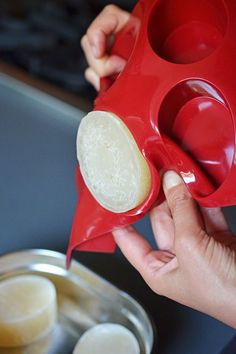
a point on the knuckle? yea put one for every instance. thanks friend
(110, 8)
(83, 40)
(86, 75)
(86, 71)
(178, 198)
(90, 32)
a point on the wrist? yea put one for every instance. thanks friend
(224, 308)
(228, 307)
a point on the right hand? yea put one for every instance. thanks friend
(196, 260)
(95, 44)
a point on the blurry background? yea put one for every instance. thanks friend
(43, 38)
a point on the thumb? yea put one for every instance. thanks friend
(188, 223)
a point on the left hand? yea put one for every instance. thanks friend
(95, 44)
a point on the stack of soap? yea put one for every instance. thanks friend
(28, 309)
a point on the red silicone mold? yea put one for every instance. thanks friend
(177, 96)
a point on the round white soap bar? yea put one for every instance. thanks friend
(28, 309)
(107, 338)
(113, 167)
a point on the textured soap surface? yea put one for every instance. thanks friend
(113, 168)
(107, 338)
(28, 309)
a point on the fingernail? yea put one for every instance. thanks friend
(171, 179)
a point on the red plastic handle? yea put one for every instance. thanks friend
(196, 180)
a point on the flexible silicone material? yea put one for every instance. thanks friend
(177, 97)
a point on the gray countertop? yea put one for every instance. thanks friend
(37, 203)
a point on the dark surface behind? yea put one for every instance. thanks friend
(37, 202)
(43, 38)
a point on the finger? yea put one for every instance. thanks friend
(163, 227)
(187, 219)
(139, 252)
(110, 21)
(92, 77)
(214, 220)
(105, 66)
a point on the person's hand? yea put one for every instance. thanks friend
(95, 44)
(196, 261)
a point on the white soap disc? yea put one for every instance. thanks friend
(113, 167)
(107, 338)
(28, 309)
